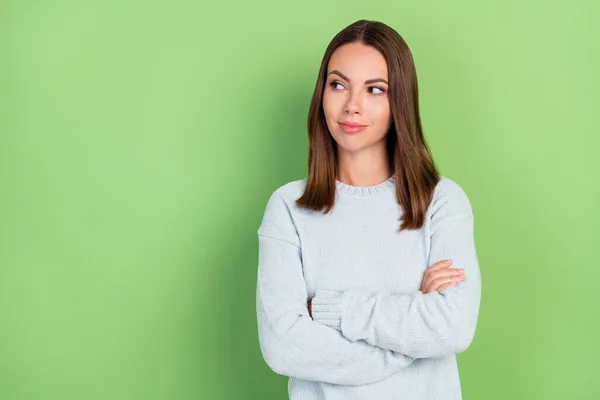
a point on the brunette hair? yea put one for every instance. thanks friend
(408, 154)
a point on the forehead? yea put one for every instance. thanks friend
(358, 60)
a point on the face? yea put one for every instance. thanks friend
(356, 91)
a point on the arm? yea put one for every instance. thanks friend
(291, 342)
(416, 324)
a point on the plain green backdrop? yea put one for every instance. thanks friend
(141, 140)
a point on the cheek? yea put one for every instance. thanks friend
(330, 111)
(380, 112)
(326, 103)
(329, 104)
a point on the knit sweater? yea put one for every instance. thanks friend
(373, 334)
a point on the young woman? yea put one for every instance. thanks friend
(368, 279)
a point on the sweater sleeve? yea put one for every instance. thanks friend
(291, 342)
(416, 324)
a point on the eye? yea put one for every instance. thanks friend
(334, 83)
(381, 90)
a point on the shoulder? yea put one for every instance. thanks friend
(449, 202)
(278, 217)
(287, 193)
(448, 190)
(291, 190)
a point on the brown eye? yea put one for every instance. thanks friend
(334, 83)
(381, 90)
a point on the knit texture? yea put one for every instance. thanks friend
(374, 334)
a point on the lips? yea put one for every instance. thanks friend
(351, 123)
(351, 127)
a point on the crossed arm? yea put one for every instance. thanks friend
(291, 342)
(415, 324)
(374, 335)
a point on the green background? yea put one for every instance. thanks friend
(140, 141)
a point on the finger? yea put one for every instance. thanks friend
(445, 286)
(447, 273)
(441, 287)
(440, 264)
(436, 283)
(442, 273)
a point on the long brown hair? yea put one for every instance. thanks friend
(408, 154)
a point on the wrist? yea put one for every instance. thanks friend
(326, 307)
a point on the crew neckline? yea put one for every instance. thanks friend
(365, 191)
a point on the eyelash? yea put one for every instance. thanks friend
(333, 83)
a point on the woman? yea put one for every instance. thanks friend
(368, 279)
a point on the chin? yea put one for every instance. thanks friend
(352, 147)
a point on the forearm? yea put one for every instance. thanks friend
(415, 324)
(293, 344)
(297, 346)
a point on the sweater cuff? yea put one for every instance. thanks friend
(326, 307)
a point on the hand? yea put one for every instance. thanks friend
(310, 308)
(440, 276)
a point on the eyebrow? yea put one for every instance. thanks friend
(335, 71)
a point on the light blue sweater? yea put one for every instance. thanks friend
(375, 335)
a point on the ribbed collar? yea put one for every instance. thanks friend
(386, 186)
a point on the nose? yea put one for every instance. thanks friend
(353, 104)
